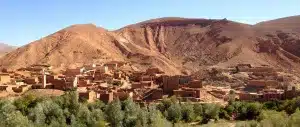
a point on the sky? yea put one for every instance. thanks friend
(23, 21)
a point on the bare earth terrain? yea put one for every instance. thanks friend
(175, 45)
(4, 49)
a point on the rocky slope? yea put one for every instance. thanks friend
(78, 44)
(176, 45)
(5, 48)
(197, 43)
(280, 38)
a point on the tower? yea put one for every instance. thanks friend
(44, 79)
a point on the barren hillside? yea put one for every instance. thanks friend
(195, 43)
(4, 49)
(78, 44)
(287, 23)
(175, 45)
(281, 37)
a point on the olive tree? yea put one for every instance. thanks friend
(47, 112)
(174, 113)
(10, 117)
(188, 113)
(114, 113)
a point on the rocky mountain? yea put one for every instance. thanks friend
(77, 44)
(5, 48)
(175, 45)
(280, 38)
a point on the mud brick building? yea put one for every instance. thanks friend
(263, 84)
(187, 92)
(153, 94)
(153, 71)
(106, 97)
(114, 65)
(272, 94)
(5, 78)
(31, 80)
(90, 96)
(243, 67)
(265, 95)
(72, 72)
(184, 79)
(195, 84)
(142, 84)
(122, 95)
(247, 96)
(170, 83)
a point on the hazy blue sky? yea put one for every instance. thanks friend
(23, 21)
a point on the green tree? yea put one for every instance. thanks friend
(114, 114)
(244, 110)
(142, 117)
(253, 110)
(174, 113)
(100, 123)
(47, 112)
(10, 117)
(84, 115)
(23, 104)
(211, 111)
(96, 105)
(236, 108)
(231, 96)
(271, 118)
(164, 104)
(294, 120)
(290, 106)
(229, 109)
(198, 112)
(96, 116)
(224, 114)
(156, 119)
(271, 105)
(69, 101)
(130, 112)
(14, 119)
(187, 111)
